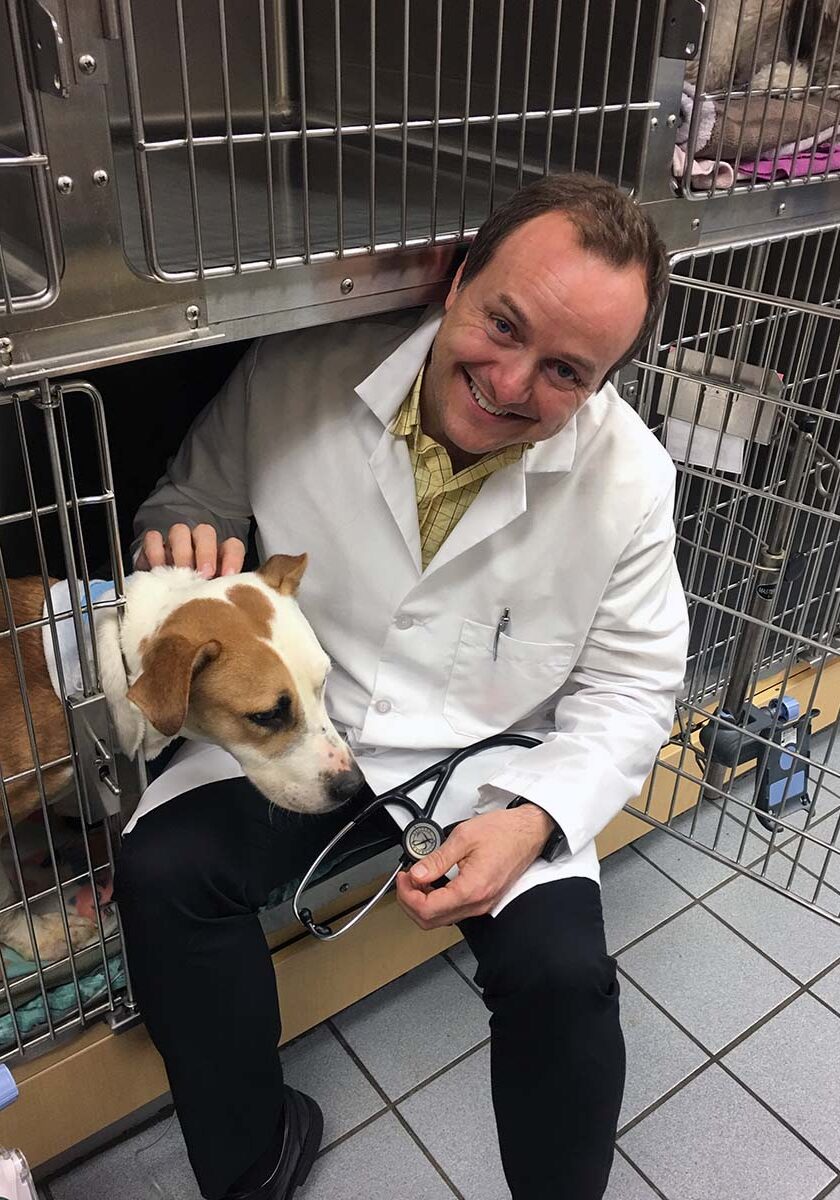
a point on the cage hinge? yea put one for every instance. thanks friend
(101, 792)
(681, 28)
(123, 1017)
(50, 52)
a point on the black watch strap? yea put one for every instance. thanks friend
(556, 842)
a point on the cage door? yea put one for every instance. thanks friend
(741, 385)
(61, 954)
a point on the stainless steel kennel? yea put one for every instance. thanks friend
(176, 174)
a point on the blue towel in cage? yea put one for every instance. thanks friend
(61, 998)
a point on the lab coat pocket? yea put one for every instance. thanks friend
(487, 695)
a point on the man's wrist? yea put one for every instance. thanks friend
(553, 841)
(543, 825)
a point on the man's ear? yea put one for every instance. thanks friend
(162, 693)
(453, 288)
(284, 572)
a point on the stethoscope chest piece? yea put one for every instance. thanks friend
(420, 837)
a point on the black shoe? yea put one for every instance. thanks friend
(303, 1125)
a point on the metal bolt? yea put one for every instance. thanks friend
(87, 64)
(654, 121)
(346, 286)
(192, 312)
(695, 224)
(690, 48)
(6, 348)
(64, 185)
(672, 120)
(100, 177)
(344, 887)
(781, 208)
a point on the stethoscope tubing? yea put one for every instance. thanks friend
(441, 772)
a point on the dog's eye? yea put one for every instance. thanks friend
(274, 718)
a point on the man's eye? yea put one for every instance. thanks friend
(565, 373)
(502, 325)
(274, 718)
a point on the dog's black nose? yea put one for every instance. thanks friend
(344, 786)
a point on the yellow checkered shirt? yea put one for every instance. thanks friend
(442, 495)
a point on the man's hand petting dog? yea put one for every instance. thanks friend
(198, 548)
(491, 851)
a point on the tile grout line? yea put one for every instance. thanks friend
(390, 1106)
(700, 902)
(463, 974)
(716, 1059)
(656, 1191)
(778, 848)
(835, 1167)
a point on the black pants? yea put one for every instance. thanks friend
(190, 880)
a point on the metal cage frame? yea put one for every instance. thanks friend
(362, 123)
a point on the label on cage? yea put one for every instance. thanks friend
(712, 395)
(766, 590)
(701, 447)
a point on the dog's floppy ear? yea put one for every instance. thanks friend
(284, 572)
(162, 692)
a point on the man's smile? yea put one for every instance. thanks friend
(484, 404)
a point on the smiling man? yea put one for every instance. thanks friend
(491, 548)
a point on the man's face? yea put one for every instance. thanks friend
(528, 340)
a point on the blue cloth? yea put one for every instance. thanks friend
(8, 1088)
(62, 998)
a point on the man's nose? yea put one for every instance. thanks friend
(513, 381)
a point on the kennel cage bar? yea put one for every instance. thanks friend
(27, 158)
(710, 89)
(320, 117)
(727, 343)
(117, 1004)
(395, 143)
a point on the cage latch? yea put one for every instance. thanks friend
(100, 788)
(50, 53)
(681, 28)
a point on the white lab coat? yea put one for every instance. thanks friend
(575, 539)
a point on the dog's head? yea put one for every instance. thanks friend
(234, 661)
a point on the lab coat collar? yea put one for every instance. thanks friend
(388, 385)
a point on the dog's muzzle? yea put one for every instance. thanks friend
(345, 785)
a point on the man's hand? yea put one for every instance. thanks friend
(491, 851)
(185, 547)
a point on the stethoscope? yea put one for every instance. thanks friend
(420, 837)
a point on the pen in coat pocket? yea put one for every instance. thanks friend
(501, 626)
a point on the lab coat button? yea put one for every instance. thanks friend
(404, 621)
(383, 706)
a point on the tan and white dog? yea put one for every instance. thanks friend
(230, 660)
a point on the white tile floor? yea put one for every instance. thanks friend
(731, 1014)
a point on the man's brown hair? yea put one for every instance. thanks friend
(608, 223)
